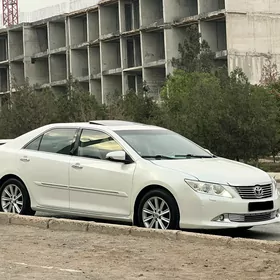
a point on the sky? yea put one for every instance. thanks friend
(31, 5)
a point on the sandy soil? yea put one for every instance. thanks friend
(32, 253)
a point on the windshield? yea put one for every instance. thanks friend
(162, 144)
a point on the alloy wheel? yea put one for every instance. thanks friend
(12, 199)
(156, 213)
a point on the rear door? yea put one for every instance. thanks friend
(44, 163)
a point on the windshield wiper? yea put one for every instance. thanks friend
(193, 156)
(158, 157)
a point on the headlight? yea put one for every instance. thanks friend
(209, 188)
(274, 184)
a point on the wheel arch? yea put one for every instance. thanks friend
(5, 178)
(11, 176)
(144, 191)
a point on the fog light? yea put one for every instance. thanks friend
(219, 218)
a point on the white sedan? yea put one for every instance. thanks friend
(131, 172)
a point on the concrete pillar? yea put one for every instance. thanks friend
(123, 15)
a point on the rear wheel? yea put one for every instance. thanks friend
(158, 209)
(14, 198)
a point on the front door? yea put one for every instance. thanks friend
(99, 186)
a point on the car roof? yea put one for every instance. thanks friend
(103, 125)
(112, 125)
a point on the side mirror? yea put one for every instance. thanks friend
(117, 156)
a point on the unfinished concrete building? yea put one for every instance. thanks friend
(117, 45)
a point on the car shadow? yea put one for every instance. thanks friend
(240, 233)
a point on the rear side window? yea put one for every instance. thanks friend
(58, 141)
(34, 145)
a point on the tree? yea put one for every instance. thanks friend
(78, 105)
(270, 74)
(192, 102)
(248, 114)
(137, 107)
(195, 56)
(26, 109)
(222, 113)
(270, 80)
(29, 108)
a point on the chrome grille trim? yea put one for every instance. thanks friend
(252, 218)
(248, 192)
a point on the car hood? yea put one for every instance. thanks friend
(217, 170)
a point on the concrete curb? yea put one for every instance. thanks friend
(111, 229)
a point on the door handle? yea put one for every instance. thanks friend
(77, 166)
(25, 159)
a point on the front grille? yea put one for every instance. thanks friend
(251, 218)
(255, 192)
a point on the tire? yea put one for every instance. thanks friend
(13, 192)
(150, 218)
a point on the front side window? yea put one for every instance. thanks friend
(58, 141)
(96, 144)
(162, 144)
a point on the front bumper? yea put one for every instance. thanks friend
(200, 211)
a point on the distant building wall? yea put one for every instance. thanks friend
(118, 45)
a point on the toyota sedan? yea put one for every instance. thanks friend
(131, 172)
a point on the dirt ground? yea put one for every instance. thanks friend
(32, 253)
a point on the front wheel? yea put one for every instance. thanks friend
(158, 209)
(15, 198)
